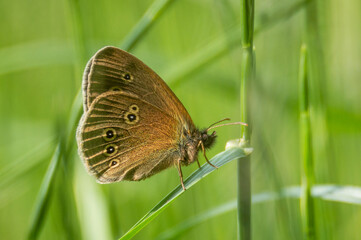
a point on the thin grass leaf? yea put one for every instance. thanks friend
(95, 218)
(306, 201)
(145, 23)
(335, 193)
(42, 202)
(218, 160)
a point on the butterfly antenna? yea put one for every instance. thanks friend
(225, 124)
(226, 119)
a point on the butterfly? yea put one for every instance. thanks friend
(133, 125)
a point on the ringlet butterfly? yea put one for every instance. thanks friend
(133, 125)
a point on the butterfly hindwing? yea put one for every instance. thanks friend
(123, 137)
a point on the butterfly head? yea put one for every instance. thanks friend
(207, 139)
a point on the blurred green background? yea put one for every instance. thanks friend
(40, 75)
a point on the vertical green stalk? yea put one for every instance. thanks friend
(307, 207)
(318, 85)
(247, 74)
(316, 95)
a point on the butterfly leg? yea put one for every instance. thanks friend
(181, 174)
(204, 154)
(199, 165)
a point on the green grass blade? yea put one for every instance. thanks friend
(92, 207)
(218, 160)
(306, 201)
(318, 85)
(145, 23)
(335, 193)
(42, 201)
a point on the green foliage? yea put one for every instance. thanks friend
(195, 46)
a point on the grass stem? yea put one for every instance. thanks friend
(247, 74)
(306, 201)
(145, 23)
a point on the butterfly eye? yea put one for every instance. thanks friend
(109, 134)
(113, 163)
(134, 108)
(110, 150)
(204, 136)
(131, 117)
(116, 89)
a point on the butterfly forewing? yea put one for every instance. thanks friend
(115, 69)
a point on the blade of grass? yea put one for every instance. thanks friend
(306, 202)
(335, 193)
(318, 86)
(42, 201)
(94, 214)
(247, 76)
(218, 160)
(145, 23)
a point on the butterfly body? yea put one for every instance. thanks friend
(190, 144)
(133, 125)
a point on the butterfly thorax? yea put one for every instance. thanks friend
(192, 142)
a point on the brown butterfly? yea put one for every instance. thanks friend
(133, 125)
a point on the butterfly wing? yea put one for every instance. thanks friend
(133, 123)
(114, 69)
(123, 137)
